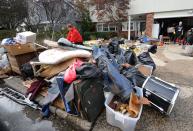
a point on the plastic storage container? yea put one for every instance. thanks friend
(117, 119)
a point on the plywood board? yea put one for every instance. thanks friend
(53, 70)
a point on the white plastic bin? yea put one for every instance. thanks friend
(117, 119)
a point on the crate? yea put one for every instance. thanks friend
(18, 49)
(17, 61)
(117, 119)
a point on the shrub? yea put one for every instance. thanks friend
(97, 35)
(7, 34)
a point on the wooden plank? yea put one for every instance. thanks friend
(55, 69)
(19, 49)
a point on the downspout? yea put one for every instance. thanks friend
(129, 27)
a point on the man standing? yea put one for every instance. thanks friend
(74, 35)
(171, 32)
(179, 32)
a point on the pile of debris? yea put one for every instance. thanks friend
(82, 81)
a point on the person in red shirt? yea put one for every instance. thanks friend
(74, 35)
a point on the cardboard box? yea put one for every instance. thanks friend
(145, 69)
(26, 37)
(17, 61)
(19, 49)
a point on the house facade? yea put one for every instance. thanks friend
(159, 15)
(150, 17)
(106, 24)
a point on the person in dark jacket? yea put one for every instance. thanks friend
(74, 35)
(179, 32)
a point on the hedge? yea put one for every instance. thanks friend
(7, 34)
(96, 35)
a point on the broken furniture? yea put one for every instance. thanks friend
(18, 60)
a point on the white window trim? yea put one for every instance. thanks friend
(112, 26)
(101, 28)
(109, 25)
(126, 23)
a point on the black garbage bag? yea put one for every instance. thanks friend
(114, 47)
(153, 49)
(130, 57)
(118, 84)
(87, 71)
(120, 58)
(133, 75)
(146, 59)
(27, 71)
(103, 52)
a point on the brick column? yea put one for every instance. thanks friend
(149, 24)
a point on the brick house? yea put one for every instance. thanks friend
(106, 24)
(150, 17)
(161, 14)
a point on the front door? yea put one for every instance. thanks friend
(140, 28)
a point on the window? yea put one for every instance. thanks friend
(99, 27)
(125, 26)
(142, 26)
(103, 27)
(112, 27)
(131, 26)
(100, 5)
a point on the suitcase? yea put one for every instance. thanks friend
(90, 98)
(162, 94)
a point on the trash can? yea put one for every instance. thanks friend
(117, 119)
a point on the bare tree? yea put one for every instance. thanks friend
(57, 12)
(12, 13)
(112, 11)
(35, 16)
